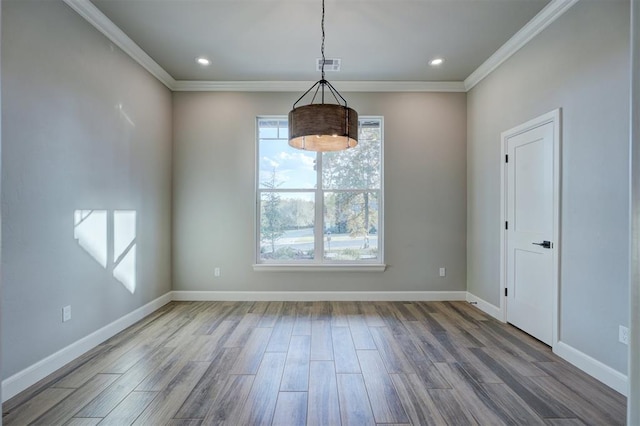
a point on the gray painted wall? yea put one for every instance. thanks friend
(581, 64)
(214, 201)
(83, 127)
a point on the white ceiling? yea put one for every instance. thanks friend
(279, 40)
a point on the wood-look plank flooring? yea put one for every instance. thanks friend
(318, 363)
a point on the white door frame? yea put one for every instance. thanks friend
(633, 393)
(550, 117)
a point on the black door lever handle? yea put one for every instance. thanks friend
(545, 244)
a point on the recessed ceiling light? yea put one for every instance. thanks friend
(203, 61)
(436, 61)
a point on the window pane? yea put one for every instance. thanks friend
(351, 220)
(286, 225)
(357, 168)
(268, 129)
(284, 167)
(283, 129)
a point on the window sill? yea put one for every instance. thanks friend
(343, 267)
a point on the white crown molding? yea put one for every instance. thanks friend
(400, 86)
(241, 86)
(95, 17)
(92, 14)
(546, 16)
(301, 86)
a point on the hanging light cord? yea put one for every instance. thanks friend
(320, 85)
(322, 48)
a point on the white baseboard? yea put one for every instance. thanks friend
(486, 307)
(607, 375)
(311, 296)
(20, 381)
(31, 375)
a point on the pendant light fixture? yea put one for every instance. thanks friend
(323, 127)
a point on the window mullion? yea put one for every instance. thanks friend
(319, 218)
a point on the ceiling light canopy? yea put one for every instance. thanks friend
(323, 127)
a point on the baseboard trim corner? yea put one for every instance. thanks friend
(607, 375)
(485, 307)
(20, 381)
(313, 296)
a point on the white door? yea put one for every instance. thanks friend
(530, 210)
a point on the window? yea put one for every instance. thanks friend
(318, 208)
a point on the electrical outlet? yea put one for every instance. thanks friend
(216, 272)
(66, 313)
(623, 334)
(443, 272)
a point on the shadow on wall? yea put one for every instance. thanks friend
(110, 238)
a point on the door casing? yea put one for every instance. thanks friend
(550, 117)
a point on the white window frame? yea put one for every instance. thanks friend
(319, 263)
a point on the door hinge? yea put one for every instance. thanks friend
(505, 292)
(506, 225)
(506, 158)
